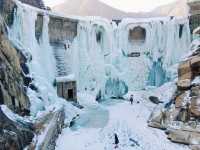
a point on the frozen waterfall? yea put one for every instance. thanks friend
(107, 59)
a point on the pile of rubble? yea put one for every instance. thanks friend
(181, 116)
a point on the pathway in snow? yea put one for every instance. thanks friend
(95, 131)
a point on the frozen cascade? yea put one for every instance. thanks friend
(42, 64)
(105, 55)
(105, 58)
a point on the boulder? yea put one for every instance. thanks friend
(14, 135)
(184, 133)
(157, 117)
(195, 147)
(195, 65)
(155, 100)
(179, 136)
(195, 106)
(180, 100)
(184, 84)
(185, 71)
(195, 91)
(185, 75)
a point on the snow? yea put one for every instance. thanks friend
(70, 77)
(93, 131)
(100, 52)
(107, 60)
(99, 61)
(196, 80)
(14, 117)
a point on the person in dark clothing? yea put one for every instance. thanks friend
(131, 99)
(116, 140)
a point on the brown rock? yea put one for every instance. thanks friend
(12, 92)
(195, 64)
(184, 71)
(179, 102)
(156, 118)
(184, 84)
(195, 91)
(195, 147)
(179, 136)
(14, 134)
(184, 136)
(195, 106)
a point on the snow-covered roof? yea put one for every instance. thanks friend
(70, 77)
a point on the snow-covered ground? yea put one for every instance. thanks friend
(95, 128)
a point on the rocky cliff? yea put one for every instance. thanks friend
(16, 134)
(180, 117)
(12, 77)
(35, 3)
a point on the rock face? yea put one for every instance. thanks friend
(181, 117)
(35, 3)
(12, 89)
(14, 135)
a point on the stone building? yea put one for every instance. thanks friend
(67, 89)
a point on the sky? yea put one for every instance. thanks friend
(125, 5)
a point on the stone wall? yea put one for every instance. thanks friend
(62, 29)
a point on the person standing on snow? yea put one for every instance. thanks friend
(116, 140)
(131, 99)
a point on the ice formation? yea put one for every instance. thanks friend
(106, 54)
(104, 58)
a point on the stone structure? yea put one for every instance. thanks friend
(62, 29)
(67, 90)
(180, 117)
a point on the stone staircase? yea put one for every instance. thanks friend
(62, 68)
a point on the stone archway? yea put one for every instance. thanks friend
(137, 34)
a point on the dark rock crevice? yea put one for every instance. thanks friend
(14, 135)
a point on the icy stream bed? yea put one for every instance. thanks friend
(94, 116)
(95, 131)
